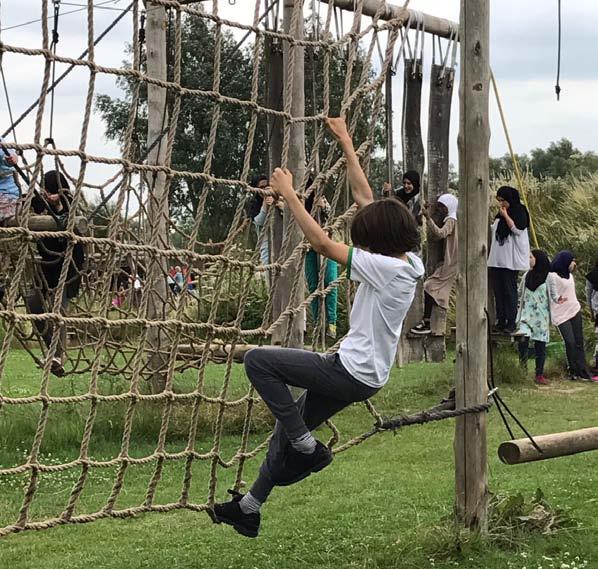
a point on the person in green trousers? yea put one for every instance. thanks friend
(312, 271)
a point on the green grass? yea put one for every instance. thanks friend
(384, 504)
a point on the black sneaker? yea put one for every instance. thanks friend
(498, 329)
(298, 465)
(230, 513)
(57, 368)
(422, 329)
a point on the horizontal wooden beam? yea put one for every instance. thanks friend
(47, 223)
(432, 24)
(554, 445)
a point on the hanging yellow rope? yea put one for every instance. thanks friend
(516, 166)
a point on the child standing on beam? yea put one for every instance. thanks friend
(509, 254)
(439, 285)
(383, 234)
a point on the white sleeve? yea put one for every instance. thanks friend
(260, 218)
(375, 270)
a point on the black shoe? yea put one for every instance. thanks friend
(230, 513)
(510, 329)
(498, 329)
(422, 329)
(57, 368)
(298, 465)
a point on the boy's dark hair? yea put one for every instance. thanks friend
(386, 227)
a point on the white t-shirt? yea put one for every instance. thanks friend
(560, 287)
(385, 293)
(513, 254)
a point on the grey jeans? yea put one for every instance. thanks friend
(328, 386)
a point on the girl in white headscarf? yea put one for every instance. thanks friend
(439, 285)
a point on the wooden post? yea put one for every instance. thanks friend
(471, 475)
(553, 445)
(413, 146)
(439, 119)
(296, 164)
(411, 349)
(390, 165)
(275, 92)
(156, 25)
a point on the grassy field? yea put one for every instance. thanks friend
(384, 504)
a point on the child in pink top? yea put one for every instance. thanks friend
(566, 314)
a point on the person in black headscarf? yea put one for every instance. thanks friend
(408, 193)
(57, 199)
(566, 314)
(533, 318)
(509, 254)
(592, 297)
(255, 202)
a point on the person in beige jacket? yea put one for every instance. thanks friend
(439, 285)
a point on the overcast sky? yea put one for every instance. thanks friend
(523, 56)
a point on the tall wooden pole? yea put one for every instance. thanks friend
(472, 325)
(439, 119)
(390, 165)
(275, 92)
(296, 163)
(412, 349)
(156, 25)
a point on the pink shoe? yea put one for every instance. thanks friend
(541, 380)
(594, 379)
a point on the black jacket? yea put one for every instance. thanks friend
(52, 250)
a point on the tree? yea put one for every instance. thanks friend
(193, 129)
(314, 87)
(501, 167)
(195, 119)
(560, 160)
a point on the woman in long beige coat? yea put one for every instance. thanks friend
(439, 285)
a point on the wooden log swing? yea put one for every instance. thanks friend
(554, 445)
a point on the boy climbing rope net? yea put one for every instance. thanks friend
(383, 234)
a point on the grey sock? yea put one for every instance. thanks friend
(249, 505)
(305, 443)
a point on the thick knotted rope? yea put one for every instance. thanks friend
(155, 334)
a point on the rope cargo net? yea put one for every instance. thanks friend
(152, 344)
